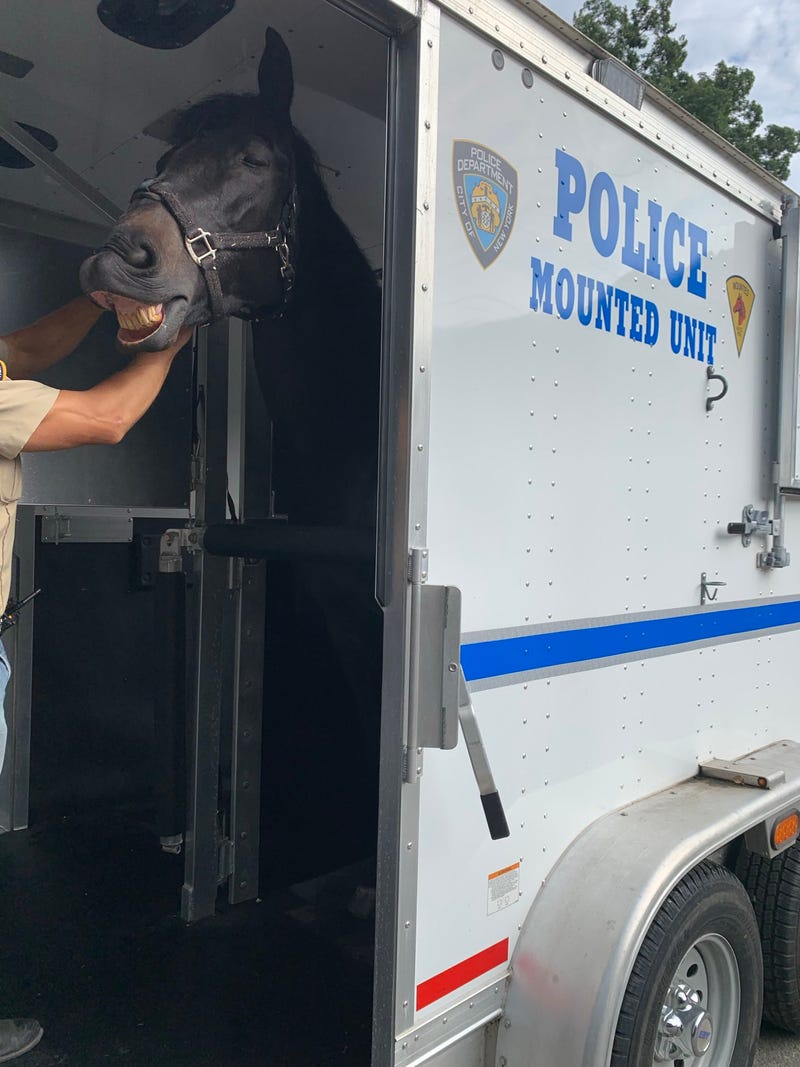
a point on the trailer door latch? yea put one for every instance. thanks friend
(756, 523)
(170, 559)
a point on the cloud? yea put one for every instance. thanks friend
(759, 35)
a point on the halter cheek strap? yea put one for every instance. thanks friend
(203, 245)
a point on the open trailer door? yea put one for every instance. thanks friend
(88, 98)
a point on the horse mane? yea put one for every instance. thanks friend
(325, 237)
(228, 110)
(214, 113)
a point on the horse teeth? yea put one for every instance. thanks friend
(144, 315)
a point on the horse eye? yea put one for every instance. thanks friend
(253, 161)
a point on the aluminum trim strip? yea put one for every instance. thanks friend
(421, 1044)
(398, 813)
(787, 445)
(424, 239)
(426, 42)
(509, 657)
(90, 510)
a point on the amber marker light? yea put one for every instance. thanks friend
(785, 830)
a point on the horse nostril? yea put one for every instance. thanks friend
(140, 254)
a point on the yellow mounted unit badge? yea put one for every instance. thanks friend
(740, 300)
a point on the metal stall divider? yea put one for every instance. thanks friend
(225, 638)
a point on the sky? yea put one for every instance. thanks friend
(759, 34)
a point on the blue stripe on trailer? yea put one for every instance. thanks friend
(498, 657)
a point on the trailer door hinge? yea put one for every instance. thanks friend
(418, 566)
(196, 471)
(435, 641)
(224, 860)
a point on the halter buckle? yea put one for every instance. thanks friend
(287, 269)
(208, 251)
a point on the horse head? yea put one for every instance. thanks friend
(213, 234)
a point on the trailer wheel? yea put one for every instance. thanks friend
(694, 996)
(774, 889)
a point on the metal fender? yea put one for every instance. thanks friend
(581, 936)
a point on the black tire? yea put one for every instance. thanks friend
(774, 889)
(708, 909)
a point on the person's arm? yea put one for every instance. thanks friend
(34, 348)
(105, 413)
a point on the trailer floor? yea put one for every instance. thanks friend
(92, 946)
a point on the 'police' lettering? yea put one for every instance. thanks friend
(679, 247)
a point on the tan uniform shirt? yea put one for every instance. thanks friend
(23, 405)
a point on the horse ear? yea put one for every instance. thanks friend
(275, 78)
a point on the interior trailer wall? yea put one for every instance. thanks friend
(89, 713)
(149, 468)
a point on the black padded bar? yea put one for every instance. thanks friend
(495, 816)
(277, 540)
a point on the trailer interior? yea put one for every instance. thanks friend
(127, 945)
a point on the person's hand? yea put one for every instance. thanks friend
(165, 354)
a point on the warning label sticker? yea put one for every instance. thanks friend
(503, 889)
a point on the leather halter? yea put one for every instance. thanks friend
(203, 245)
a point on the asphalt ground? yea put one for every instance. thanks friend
(777, 1049)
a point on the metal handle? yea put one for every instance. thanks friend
(490, 798)
(706, 587)
(711, 400)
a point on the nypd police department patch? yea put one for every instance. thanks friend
(485, 187)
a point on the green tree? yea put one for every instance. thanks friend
(644, 38)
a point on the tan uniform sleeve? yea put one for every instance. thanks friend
(23, 405)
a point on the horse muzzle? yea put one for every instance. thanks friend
(148, 321)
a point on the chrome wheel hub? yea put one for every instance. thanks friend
(699, 1018)
(686, 1027)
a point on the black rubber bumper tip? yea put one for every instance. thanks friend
(495, 816)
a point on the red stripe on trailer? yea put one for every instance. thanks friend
(441, 984)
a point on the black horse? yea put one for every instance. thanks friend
(238, 222)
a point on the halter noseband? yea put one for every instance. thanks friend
(203, 245)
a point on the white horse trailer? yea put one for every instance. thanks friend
(589, 798)
(602, 452)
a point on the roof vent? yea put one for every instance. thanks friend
(162, 23)
(620, 80)
(13, 159)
